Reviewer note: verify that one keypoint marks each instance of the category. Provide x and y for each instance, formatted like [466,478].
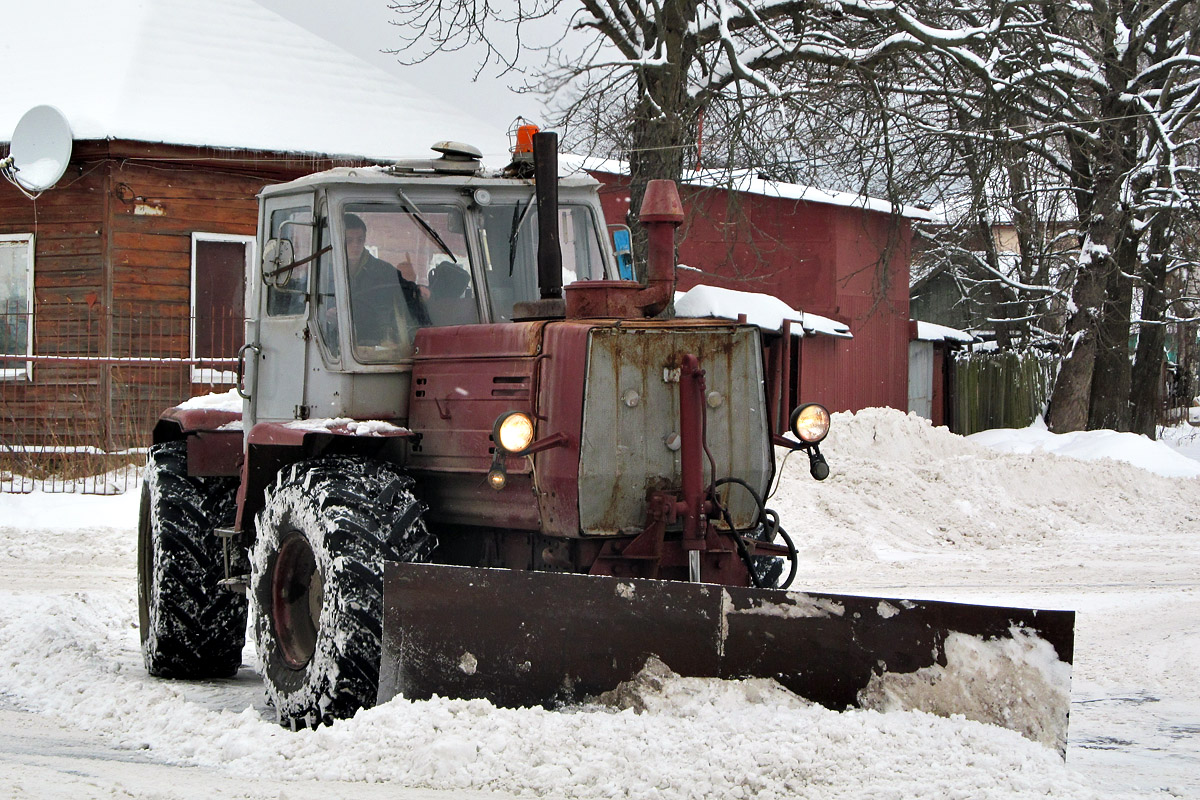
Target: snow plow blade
[524,638]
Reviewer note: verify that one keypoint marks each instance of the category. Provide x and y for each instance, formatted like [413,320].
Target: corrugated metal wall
[845,263]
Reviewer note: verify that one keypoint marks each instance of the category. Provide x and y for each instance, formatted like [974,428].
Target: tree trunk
[665,115]
[1098,168]
[1070,401]
[1145,395]
[1111,376]
[1071,397]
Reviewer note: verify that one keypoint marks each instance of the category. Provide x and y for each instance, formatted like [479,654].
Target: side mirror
[278,262]
[622,240]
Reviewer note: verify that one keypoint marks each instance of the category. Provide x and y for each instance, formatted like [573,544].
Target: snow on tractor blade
[535,638]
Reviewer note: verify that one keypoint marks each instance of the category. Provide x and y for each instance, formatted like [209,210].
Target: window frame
[26,372]
[208,375]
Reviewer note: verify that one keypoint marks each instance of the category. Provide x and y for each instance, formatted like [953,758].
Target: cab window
[510,245]
[405,271]
[287,286]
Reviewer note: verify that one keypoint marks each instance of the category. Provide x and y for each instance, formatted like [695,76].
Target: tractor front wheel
[326,528]
[190,626]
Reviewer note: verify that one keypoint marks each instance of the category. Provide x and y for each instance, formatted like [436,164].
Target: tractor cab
[356,261]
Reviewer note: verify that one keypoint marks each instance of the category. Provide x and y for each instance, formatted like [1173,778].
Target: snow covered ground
[908,511]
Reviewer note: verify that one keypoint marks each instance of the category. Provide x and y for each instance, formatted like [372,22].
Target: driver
[369,278]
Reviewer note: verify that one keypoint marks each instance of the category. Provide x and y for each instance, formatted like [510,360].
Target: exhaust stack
[661,214]
[545,176]
[549,253]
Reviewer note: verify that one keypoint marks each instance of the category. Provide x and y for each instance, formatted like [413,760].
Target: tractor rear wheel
[326,528]
[190,626]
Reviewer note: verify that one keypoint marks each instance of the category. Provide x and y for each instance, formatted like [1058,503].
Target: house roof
[749,183]
[219,73]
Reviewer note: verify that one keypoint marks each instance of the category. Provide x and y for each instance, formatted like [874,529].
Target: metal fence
[76,413]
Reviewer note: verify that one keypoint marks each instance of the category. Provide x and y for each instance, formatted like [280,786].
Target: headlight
[513,432]
[810,423]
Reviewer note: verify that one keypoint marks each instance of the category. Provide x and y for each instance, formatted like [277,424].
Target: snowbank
[909,510]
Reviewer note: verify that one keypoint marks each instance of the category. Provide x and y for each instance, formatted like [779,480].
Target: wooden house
[122,288]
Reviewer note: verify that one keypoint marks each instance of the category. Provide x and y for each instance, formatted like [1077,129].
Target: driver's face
[356,242]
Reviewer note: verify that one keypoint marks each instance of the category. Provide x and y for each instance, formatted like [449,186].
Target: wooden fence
[999,389]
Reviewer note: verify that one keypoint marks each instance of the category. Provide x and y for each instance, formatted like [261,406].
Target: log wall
[112,278]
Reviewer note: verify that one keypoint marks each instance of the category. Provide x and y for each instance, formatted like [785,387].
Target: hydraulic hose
[769,520]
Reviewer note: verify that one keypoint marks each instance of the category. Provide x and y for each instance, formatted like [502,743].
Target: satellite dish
[41,148]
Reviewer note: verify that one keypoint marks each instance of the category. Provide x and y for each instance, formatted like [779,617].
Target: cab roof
[413,173]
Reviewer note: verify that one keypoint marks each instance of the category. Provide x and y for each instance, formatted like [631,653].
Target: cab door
[278,336]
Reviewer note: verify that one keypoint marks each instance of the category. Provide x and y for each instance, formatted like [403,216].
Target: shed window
[221,264]
[16,304]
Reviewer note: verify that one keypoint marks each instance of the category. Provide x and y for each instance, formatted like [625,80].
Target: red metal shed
[839,256]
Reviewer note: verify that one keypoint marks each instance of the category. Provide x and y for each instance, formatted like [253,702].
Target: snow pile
[903,492]
[215,401]
[1131,448]
[1183,439]
[1022,679]
[766,311]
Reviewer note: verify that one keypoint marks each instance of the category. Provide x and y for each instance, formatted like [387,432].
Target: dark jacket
[373,289]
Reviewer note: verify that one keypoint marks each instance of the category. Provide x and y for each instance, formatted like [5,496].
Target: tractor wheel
[190,626]
[326,528]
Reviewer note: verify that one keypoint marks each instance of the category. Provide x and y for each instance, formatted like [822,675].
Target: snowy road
[909,511]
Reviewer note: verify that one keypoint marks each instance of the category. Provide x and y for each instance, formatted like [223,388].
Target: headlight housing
[513,432]
[810,423]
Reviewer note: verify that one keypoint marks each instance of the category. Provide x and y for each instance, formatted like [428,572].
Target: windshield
[510,248]
[405,271]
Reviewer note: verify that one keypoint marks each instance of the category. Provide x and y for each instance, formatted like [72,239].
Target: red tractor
[447,379]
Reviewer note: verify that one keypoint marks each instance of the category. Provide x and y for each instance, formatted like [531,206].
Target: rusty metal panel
[461,382]
[631,419]
[560,409]
[512,339]
[527,638]
[212,453]
[455,402]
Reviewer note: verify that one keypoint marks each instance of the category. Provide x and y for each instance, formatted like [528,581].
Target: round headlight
[513,432]
[810,423]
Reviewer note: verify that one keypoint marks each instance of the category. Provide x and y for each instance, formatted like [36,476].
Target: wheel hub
[297,594]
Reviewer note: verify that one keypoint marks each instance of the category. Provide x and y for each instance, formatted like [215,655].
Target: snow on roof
[222,73]
[932,332]
[763,310]
[748,182]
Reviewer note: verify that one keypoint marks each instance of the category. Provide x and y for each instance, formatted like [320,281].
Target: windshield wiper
[424,223]
[518,221]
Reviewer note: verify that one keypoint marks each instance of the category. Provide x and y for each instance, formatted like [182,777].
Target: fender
[272,446]
[214,438]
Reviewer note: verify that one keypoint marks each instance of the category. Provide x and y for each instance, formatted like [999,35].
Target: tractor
[476,455]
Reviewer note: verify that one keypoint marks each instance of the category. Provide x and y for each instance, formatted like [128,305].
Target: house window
[221,264]
[16,304]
